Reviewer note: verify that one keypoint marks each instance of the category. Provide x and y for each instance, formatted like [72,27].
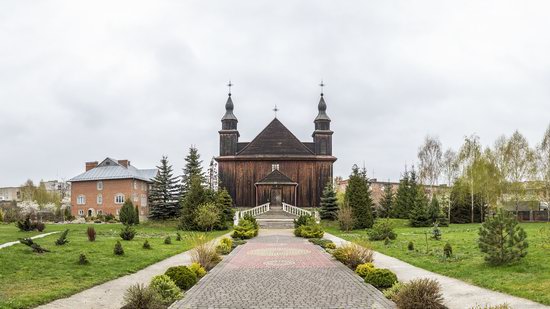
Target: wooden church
[275,166]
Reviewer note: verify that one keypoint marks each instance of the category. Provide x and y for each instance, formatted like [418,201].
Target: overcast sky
[83,80]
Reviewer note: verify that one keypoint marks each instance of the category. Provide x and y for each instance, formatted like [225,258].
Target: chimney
[124,163]
[90,165]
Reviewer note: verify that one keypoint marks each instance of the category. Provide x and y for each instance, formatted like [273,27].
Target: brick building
[103,188]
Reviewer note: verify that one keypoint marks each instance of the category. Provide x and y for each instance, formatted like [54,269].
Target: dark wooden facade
[275,167]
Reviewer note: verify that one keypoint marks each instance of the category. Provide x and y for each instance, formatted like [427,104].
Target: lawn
[529,278]
[28,279]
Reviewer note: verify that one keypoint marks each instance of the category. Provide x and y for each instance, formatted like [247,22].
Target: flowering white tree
[28,207]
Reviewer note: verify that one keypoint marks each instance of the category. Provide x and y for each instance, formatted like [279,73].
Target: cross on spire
[322,86]
[229,86]
[275,109]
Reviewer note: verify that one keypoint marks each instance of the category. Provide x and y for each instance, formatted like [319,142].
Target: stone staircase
[276,218]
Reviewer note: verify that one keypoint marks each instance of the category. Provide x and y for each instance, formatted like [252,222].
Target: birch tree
[449,168]
[430,157]
[543,166]
[519,161]
[468,155]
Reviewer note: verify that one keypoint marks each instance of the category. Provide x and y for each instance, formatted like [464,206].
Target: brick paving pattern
[281,271]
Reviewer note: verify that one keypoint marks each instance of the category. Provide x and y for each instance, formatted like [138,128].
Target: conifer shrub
[225,246]
[309,230]
[139,296]
[381,278]
[303,220]
[237,242]
[387,241]
[420,293]
[324,243]
[167,240]
[146,245]
[436,231]
[127,213]
[39,226]
[166,289]
[252,220]
[27,225]
[90,232]
[34,246]
[448,250]
[329,203]
[381,230]
[246,229]
[83,260]
[410,246]
[127,232]
[62,238]
[363,269]
[178,236]
[118,250]
[182,276]
[353,255]
[502,239]
[197,269]
[391,292]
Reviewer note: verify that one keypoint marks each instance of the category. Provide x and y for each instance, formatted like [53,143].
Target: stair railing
[297,211]
[256,211]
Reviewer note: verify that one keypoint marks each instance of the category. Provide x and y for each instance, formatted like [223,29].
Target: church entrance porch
[276,197]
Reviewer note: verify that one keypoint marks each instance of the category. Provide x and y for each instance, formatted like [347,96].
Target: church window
[274,166]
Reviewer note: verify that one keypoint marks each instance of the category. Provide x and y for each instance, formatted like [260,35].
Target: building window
[81,200]
[274,166]
[119,198]
[143,200]
[100,185]
[135,197]
[81,212]
[99,199]
[135,184]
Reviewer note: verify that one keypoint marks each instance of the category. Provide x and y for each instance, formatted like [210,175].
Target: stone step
[276,223]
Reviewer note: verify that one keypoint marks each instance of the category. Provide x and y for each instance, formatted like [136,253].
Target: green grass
[28,279]
[529,278]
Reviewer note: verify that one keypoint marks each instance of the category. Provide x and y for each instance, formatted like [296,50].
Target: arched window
[100,185]
[99,199]
[119,198]
[81,212]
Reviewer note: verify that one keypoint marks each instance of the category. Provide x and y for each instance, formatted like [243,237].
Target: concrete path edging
[458,294]
[11,243]
[109,295]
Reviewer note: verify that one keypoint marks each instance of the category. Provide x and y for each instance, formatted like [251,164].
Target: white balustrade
[256,211]
[297,211]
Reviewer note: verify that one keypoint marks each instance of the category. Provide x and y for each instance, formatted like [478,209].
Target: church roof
[276,139]
[276,177]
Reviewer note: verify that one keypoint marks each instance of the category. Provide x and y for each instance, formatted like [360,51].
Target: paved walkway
[278,270]
[9,244]
[109,295]
[458,294]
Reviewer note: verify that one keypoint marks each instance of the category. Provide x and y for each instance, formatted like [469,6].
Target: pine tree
[329,204]
[225,203]
[402,199]
[127,215]
[386,203]
[193,168]
[164,194]
[195,196]
[359,200]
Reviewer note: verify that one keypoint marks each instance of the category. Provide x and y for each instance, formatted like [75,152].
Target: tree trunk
[472,198]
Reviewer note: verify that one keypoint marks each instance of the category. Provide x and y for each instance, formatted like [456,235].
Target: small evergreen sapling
[62,238]
[118,250]
[329,204]
[35,247]
[448,250]
[83,260]
[127,213]
[436,232]
[410,246]
[178,236]
[146,245]
[127,232]
[167,240]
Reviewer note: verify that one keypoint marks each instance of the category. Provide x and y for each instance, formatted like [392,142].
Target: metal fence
[534,216]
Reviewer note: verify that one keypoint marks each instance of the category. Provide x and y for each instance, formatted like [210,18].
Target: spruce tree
[418,215]
[136,215]
[192,168]
[329,204]
[225,203]
[164,194]
[386,203]
[359,200]
[402,199]
[435,213]
[195,196]
[126,214]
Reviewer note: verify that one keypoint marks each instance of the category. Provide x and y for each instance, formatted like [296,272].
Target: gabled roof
[111,169]
[276,177]
[275,139]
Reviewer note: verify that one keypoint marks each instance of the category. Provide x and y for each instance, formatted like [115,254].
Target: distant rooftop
[113,169]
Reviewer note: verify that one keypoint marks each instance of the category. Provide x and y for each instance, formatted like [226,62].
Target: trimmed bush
[324,243]
[197,269]
[62,238]
[127,232]
[139,296]
[381,230]
[304,220]
[26,225]
[83,260]
[448,250]
[352,255]
[310,230]
[182,276]
[381,278]
[419,293]
[252,220]
[410,246]
[166,289]
[391,292]
[118,250]
[246,229]
[146,244]
[363,269]
[225,246]
[167,240]
[90,232]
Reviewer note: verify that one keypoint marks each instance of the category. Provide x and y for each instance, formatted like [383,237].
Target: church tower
[322,136]
[229,136]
